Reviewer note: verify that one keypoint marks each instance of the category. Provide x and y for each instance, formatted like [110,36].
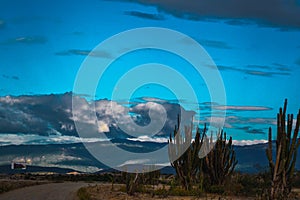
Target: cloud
[281,67]
[251,130]
[215,44]
[277,69]
[102,54]
[152,99]
[48,115]
[146,138]
[242,108]
[238,22]
[209,43]
[216,106]
[10,77]
[135,162]
[36,114]
[25,40]
[248,142]
[258,70]
[233,121]
[267,12]
[145,15]
[32,139]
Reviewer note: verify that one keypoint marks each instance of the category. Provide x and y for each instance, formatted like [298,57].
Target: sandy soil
[51,191]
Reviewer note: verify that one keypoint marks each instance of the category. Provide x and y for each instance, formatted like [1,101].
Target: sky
[254,44]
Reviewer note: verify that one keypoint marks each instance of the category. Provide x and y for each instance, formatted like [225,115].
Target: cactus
[183,154]
[282,168]
[220,162]
[131,182]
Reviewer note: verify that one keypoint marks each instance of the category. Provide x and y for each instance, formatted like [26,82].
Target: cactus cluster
[283,164]
[183,154]
[220,162]
[190,168]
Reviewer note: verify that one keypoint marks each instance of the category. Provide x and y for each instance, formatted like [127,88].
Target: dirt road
[51,191]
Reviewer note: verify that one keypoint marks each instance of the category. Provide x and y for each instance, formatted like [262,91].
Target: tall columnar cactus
[220,162]
[183,154]
[131,181]
[282,168]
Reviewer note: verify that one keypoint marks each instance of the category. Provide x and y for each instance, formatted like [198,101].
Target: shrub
[83,194]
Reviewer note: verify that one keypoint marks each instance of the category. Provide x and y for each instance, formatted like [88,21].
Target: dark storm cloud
[35,114]
[11,77]
[25,40]
[269,12]
[145,15]
[52,114]
[81,52]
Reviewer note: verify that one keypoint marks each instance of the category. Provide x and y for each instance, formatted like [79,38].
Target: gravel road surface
[51,191]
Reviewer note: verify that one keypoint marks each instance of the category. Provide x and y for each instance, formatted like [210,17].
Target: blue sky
[43,44]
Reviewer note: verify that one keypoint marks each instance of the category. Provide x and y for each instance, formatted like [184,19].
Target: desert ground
[30,190]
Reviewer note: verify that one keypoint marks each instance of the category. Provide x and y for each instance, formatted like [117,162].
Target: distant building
[18,165]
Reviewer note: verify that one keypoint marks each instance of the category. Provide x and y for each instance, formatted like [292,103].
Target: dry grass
[104,191]
[8,185]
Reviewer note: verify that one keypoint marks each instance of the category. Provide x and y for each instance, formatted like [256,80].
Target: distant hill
[63,158]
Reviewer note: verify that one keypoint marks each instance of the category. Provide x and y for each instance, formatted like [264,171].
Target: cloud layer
[35,39]
[268,12]
[145,15]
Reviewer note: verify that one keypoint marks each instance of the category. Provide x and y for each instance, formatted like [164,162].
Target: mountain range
[64,158]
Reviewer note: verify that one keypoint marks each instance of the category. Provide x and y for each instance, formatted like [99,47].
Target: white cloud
[248,142]
[146,138]
[135,162]
[102,127]
[154,99]
[9,100]
[31,139]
